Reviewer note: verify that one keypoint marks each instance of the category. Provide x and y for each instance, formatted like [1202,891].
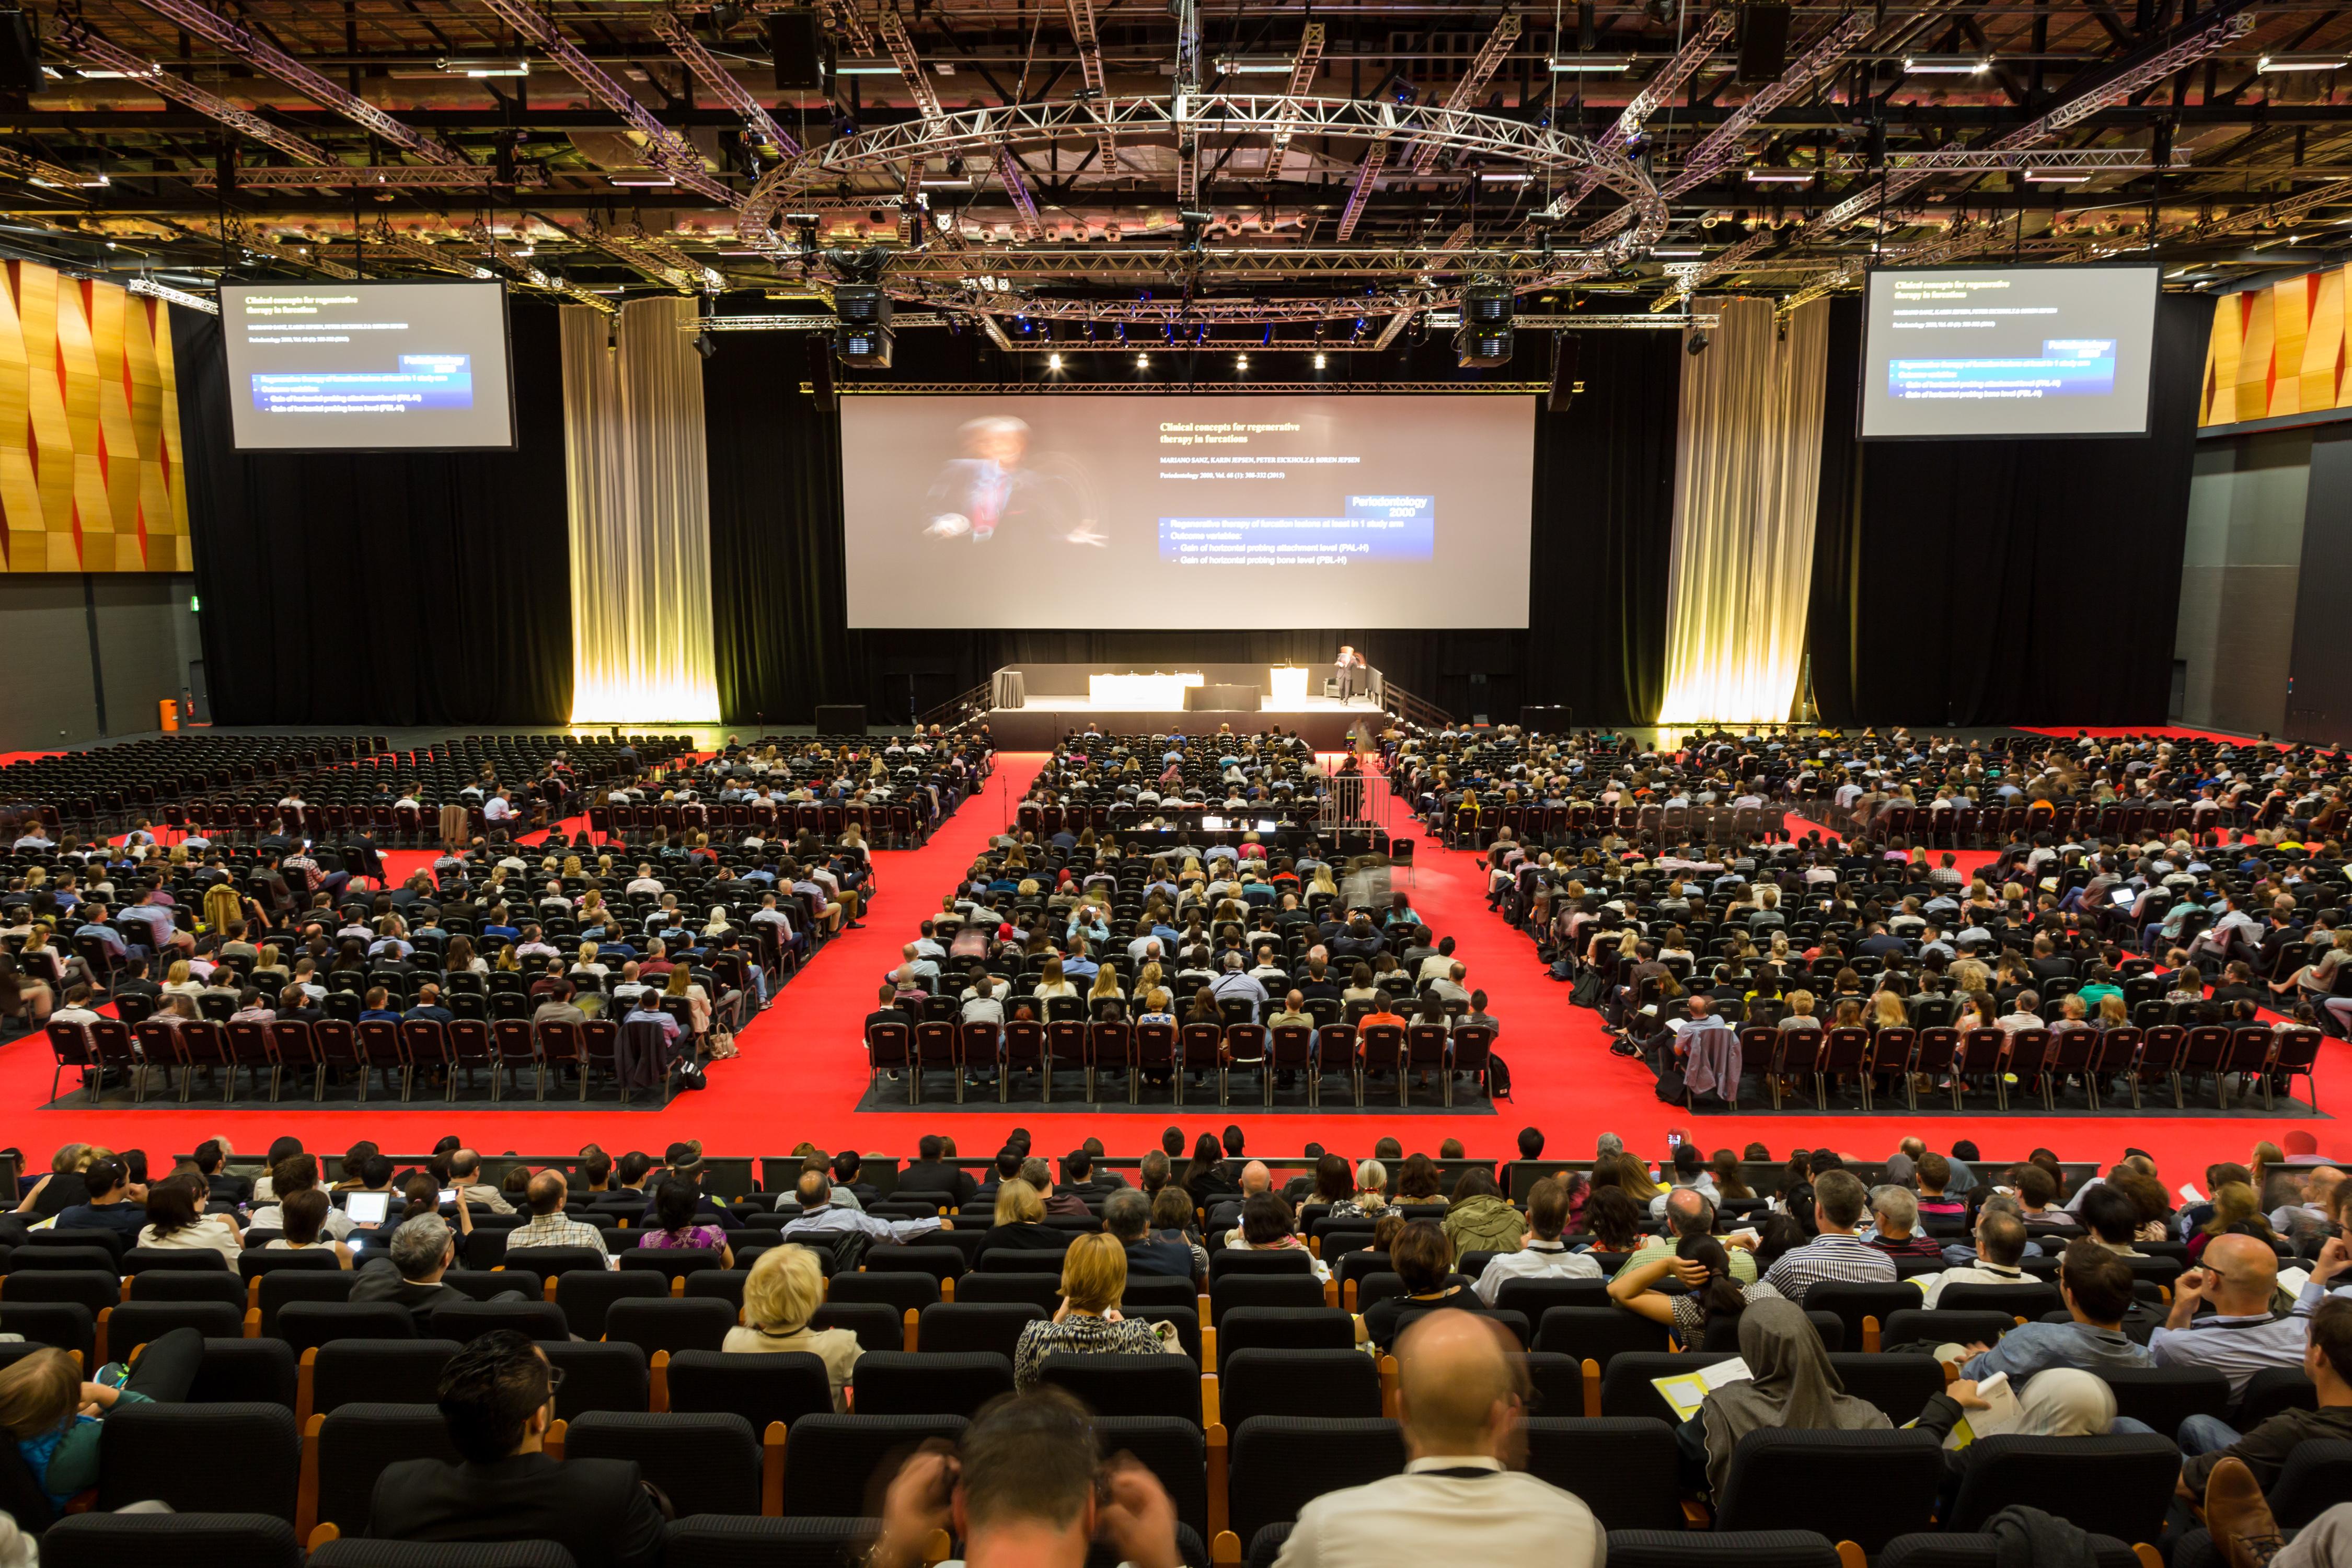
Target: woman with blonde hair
[56,1417]
[1088,1323]
[1051,983]
[2236,1212]
[181,981]
[784,1291]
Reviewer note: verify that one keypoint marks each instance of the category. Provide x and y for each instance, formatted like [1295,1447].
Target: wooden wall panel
[2280,350]
[90,459]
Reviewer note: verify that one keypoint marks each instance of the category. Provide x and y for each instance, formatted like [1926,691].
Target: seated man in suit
[497,1400]
[409,1268]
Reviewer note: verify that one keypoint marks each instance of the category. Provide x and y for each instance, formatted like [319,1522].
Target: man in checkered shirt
[548,1226]
[1837,1254]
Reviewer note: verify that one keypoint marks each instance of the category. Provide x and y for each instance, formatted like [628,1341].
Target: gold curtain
[1746,471]
[640,513]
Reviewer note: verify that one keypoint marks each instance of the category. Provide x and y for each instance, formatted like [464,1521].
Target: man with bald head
[1461,1397]
[548,1225]
[2237,1275]
[1254,1178]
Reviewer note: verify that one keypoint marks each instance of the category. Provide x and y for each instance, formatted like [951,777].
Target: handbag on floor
[722,1045]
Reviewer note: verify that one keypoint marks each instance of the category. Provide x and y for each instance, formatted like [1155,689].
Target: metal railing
[1414,710]
[961,708]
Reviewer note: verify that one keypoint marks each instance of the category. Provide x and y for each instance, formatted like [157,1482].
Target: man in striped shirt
[1837,1254]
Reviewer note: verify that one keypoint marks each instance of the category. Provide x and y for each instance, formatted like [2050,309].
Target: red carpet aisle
[802,1068]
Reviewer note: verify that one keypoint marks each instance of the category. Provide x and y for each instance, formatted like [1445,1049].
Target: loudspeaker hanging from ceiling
[1763,40]
[803,55]
[20,53]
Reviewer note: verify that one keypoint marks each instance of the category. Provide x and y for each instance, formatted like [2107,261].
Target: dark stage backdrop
[1967,583]
[383,588]
[1603,501]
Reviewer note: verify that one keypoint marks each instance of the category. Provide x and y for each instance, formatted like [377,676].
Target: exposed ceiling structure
[1193,170]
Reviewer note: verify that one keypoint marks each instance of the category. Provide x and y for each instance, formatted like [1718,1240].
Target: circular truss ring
[1553,158]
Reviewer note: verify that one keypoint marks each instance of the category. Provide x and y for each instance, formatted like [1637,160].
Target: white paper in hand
[1686,1391]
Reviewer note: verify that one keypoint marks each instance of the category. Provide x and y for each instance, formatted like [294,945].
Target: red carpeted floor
[803,1069]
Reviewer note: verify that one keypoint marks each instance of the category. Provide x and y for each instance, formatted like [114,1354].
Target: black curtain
[1603,497]
[381,588]
[2005,582]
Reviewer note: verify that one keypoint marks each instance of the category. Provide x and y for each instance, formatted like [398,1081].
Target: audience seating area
[1264,1401]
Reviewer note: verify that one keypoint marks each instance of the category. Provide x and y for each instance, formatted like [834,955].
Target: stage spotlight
[1318,361]
[1240,361]
[1052,362]
[1695,346]
[1143,362]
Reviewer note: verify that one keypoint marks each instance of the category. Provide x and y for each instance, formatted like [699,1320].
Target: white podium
[1287,685]
[1142,693]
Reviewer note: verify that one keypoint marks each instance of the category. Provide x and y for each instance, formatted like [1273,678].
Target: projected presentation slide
[367,366]
[1131,511]
[2007,351]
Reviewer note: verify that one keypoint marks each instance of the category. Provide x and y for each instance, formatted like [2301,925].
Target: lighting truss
[910,65]
[76,38]
[1994,160]
[229,34]
[1625,130]
[312,258]
[655,260]
[683,271]
[1725,144]
[672,30]
[664,148]
[39,172]
[1090,66]
[1367,175]
[521,268]
[841,18]
[2146,73]
[1390,328]
[1123,265]
[417,250]
[1474,76]
[147,286]
[2283,213]
[881,153]
[1025,201]
[386,176]
[1252,339]
[1302,76]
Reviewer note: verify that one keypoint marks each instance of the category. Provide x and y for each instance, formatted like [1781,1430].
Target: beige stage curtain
[641,641]
[1747,468]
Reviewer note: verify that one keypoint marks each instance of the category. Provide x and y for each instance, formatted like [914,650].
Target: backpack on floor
[1499,1077]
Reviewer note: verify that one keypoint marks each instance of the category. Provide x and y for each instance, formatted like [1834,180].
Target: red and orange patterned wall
[2277,351]
[90,461]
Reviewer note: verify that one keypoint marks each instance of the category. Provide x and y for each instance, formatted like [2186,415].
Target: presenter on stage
[994,493]
[1349,669]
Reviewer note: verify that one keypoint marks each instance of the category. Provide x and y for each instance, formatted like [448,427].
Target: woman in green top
[55,1416]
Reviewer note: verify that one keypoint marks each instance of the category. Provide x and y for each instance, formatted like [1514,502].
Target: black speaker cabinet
[802,54]
[840,719]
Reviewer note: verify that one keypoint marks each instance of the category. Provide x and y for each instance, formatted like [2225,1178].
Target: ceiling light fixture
[2272,64]
[1675,252]
[642,178]
[866,68]
[2055,177]
[1591,64]
[1254,65]
[1780,176]
[1945,65]
[1505,176]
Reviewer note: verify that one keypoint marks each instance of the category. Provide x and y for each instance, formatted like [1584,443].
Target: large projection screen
[1125,512]
[356,367]
[2007,351]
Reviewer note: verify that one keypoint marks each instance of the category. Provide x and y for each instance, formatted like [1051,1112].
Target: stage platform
[1040,725]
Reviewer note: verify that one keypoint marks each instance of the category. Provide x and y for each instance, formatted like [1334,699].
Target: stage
[1034,705]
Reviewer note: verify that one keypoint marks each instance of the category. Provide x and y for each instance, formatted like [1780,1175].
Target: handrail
[1414,710]
[956,710]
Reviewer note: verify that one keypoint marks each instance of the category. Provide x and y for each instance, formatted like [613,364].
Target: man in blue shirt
[2096,1286]
[377,1011]
[428,1008]
[105,935]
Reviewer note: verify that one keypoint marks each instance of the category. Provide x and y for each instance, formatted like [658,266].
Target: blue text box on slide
[423,381]
[1377,528]
[2069,367]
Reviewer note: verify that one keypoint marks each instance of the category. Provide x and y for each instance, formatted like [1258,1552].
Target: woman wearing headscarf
[2056,1402]
[1793,1387]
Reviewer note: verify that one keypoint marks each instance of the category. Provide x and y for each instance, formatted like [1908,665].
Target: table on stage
[1288,685]
[1148,693]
